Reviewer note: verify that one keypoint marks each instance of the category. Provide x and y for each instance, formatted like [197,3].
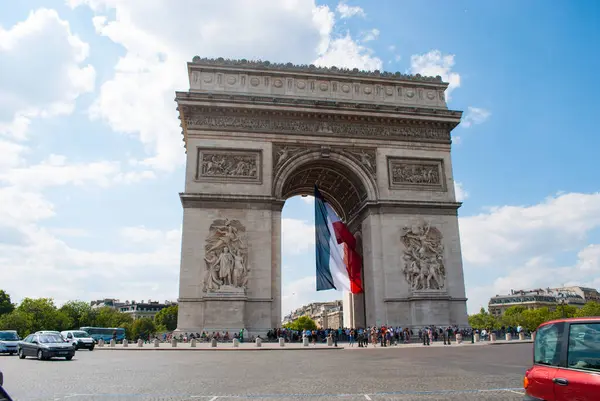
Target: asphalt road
[452,373]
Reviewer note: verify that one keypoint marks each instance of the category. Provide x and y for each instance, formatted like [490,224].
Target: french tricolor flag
[338,263]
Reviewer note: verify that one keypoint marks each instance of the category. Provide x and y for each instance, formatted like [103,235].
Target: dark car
[45,346]
[566,361]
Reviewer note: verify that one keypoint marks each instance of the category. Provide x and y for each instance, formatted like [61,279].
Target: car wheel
[76,347]
[92,348]
[11,353]
[68,358]
[21,354]
[40,355]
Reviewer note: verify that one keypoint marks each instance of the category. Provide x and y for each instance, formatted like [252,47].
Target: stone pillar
[281,342]
[476,337]
[305,341]
[508,336]
[193,343]
[493,337]
[173,342]
[459,338]
[521,336]
[112,343]
[259,342]
[213,343]
[100,343]
[156,343]
[329,341]
[140,343]
[125,344]
[236,343]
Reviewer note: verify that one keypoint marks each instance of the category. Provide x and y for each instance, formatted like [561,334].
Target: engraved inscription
[228,165]
[416,173]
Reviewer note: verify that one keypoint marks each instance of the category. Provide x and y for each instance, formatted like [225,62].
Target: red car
[566,361]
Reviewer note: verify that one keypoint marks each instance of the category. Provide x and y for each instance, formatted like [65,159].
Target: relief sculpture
[229,164]
[423,258]
[226,257]
[416,173]
[366,157]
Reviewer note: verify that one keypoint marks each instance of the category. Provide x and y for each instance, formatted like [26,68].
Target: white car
[79,338]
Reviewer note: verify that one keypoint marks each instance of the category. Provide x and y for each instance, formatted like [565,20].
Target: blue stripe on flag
[322,251]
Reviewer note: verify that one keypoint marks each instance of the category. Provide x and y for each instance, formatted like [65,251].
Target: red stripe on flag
[343,235]
[353,266]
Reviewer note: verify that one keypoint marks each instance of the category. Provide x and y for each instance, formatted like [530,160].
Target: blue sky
[93,161]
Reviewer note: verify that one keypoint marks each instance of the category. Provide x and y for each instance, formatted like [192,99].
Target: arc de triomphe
[378,147]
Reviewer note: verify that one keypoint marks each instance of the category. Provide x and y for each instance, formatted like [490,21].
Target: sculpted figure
[226,256]
[423,258]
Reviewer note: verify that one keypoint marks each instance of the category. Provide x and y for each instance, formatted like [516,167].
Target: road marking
[367,397]
[516,392]
[214,398]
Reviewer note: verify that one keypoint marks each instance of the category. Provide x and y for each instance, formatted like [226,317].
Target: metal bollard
[173,343]
[305,341]
[112,343]
[125,343]
[156,343]
[236,343]
[213,343]
[193,343]
[140,343]
[329,341]
[281,342]
[258,342]
[100,343]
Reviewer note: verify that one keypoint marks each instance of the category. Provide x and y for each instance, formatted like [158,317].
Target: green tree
[44,315]
[589,309]
[5,305]
[109,317]
[143,328]
[16,320]
[167,318]
[80,313]
[302,323]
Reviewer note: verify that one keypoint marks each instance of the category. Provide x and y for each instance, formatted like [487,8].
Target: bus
[105,333]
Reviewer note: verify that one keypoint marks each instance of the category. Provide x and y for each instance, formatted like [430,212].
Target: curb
[218,349]
[512,342]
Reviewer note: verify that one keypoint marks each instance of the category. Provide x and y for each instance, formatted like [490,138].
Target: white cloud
[298,236]
[46,72]
[516,233]
[515,247]
[370,35]
[304,291]
[159,39]
[475,115]
[435,63]
[347,11]
[347,53]
[460,192]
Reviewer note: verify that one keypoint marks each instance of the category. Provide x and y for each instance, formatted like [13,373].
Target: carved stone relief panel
[423,257]
[365,157]
[226,257]
[418,174]
[229,165]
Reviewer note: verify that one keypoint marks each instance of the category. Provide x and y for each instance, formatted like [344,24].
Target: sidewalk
[273,346]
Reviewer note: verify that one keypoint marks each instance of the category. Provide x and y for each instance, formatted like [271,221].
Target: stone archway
[378,146]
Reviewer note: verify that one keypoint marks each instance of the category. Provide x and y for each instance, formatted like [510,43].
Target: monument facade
[378,147]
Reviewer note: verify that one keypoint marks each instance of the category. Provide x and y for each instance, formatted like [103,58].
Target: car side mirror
[34,342]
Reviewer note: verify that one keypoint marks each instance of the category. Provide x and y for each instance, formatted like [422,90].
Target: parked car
[8,342]
[45,346]
[79,338]
[48,332]
[566,361]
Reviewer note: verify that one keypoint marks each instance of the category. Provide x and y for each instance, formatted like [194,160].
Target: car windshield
[7,335]
[50,338]
[80,334]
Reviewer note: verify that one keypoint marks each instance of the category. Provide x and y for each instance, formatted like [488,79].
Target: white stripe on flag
[337,267]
